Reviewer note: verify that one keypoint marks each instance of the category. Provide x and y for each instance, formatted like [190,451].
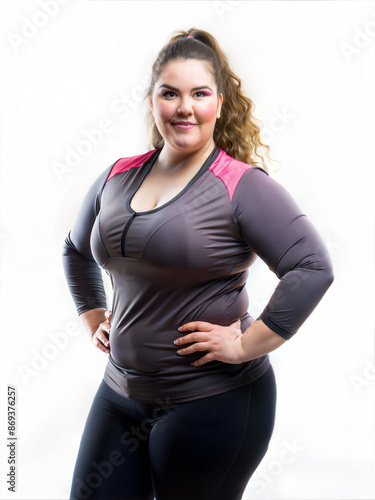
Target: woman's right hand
[100,338]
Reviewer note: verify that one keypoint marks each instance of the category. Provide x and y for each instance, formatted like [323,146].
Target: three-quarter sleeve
[271,223]
[82,273]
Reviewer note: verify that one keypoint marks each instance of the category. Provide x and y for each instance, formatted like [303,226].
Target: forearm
[259,340]
[277,230]
[84,279]
[92,319]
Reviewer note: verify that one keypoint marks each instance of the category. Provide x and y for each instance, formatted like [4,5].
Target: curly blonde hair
[236,131]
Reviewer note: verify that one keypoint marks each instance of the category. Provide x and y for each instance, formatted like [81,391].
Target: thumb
[236,324]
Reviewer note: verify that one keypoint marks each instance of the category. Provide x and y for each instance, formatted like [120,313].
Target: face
[185,104]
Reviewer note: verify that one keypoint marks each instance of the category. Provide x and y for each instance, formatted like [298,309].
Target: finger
[191,337]
[202,326]
[103,332]
[106,327]
[102,338]
[199,346]
[97,343]
[204,359]
[108,315]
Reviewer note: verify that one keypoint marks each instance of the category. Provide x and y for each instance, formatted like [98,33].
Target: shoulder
[231,171]
[126,163]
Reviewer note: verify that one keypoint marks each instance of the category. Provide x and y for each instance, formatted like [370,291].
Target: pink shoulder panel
[125,164]
[229,170]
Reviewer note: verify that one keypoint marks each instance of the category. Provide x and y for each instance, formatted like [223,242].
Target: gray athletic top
[188,260]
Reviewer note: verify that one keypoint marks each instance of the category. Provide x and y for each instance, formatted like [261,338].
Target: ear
[150,103]
[220,104]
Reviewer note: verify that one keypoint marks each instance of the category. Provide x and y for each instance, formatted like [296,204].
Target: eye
[168,93]
[202,93]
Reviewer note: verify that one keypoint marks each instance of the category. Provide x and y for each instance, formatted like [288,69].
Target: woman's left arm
[272,224]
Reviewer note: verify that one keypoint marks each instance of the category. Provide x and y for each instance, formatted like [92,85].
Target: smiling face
[185,104]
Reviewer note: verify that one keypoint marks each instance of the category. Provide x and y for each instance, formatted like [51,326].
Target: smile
[184,125]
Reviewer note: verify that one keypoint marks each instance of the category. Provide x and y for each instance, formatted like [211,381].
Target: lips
[184,125]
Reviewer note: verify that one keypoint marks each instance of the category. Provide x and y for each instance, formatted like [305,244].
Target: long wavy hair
[236,132]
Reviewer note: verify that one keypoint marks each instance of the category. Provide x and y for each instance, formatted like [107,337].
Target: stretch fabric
[206,449]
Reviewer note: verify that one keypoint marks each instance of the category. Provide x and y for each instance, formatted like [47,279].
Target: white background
[309,68]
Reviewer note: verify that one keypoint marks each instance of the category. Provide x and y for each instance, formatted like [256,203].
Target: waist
[182,383]
[147,347]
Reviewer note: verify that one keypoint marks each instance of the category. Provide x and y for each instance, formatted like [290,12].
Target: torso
[174,255]
[162,184]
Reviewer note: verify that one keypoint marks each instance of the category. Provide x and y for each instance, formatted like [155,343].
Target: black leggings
[205,449]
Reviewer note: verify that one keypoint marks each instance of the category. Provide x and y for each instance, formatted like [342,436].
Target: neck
[171,158]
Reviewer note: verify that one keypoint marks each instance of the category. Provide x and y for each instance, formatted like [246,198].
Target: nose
[185,106]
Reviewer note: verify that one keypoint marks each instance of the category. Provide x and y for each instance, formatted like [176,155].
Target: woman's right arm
[83,275]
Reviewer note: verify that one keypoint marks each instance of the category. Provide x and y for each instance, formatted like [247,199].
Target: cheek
[207,112]
[165,109]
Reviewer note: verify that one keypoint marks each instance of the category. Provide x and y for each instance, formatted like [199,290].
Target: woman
[186,407]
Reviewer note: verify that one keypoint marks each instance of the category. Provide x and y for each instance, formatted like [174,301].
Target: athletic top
[188,260]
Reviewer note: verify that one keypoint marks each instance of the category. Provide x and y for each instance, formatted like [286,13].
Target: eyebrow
[195,88]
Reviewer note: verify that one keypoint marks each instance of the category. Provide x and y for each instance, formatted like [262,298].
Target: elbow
[321,270]
[65,250]
[329,278]
[329,275]
[324,276]
[68,246]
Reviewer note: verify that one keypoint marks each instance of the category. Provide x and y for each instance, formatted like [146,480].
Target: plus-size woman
[186,407]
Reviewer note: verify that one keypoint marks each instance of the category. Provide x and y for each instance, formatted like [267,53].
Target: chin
[184,144]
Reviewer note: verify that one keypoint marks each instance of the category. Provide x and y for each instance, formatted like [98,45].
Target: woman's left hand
[223,343]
